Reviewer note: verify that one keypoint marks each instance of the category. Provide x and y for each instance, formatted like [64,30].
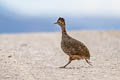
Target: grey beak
[55,23]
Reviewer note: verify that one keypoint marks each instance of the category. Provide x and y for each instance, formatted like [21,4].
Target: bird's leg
[70,59]
[88,62]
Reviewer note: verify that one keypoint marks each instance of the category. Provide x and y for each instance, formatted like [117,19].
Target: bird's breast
[67,47]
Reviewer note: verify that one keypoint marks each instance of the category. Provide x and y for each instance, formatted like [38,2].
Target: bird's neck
[64,33]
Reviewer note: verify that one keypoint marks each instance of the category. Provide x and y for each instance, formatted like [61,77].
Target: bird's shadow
[80,67]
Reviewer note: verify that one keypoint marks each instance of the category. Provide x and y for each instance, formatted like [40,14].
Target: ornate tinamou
[75,49]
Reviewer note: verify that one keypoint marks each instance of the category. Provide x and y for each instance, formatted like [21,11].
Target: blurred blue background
[39,15]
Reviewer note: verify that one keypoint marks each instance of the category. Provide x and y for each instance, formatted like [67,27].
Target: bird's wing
[77,47]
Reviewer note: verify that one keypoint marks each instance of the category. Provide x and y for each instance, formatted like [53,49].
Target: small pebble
[9,56]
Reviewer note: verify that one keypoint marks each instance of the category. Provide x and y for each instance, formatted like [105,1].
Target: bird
[75,49]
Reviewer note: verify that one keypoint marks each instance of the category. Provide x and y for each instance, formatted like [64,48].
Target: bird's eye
[60,22]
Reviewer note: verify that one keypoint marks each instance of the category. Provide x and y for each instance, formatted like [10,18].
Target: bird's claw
[62,67]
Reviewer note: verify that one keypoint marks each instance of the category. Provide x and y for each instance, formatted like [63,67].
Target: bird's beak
[55,23]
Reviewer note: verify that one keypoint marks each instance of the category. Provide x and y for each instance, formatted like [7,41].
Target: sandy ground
[37,56]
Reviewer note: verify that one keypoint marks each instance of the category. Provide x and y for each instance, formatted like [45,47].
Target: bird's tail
[88,62]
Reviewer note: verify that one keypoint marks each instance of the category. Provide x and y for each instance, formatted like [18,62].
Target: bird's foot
[62,67]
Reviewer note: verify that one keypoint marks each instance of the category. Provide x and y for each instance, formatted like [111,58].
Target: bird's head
[60,22]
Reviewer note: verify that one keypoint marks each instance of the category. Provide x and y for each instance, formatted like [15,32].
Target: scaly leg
[88,62]
[70,59]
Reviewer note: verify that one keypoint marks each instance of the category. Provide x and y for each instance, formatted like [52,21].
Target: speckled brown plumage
[75,49]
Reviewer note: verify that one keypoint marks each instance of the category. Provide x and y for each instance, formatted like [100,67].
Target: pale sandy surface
[37,56]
